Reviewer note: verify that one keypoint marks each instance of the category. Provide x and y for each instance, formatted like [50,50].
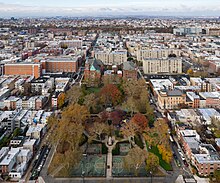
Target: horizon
[96,8]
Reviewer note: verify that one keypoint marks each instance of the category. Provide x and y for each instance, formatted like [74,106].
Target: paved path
[109,157]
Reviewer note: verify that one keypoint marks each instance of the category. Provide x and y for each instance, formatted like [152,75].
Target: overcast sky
[109,7]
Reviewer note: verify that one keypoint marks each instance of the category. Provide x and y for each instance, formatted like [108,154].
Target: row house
[203,157]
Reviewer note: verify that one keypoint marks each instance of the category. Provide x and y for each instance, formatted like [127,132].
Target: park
[109,131]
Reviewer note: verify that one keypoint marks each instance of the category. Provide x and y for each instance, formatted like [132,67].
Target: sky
[109,7]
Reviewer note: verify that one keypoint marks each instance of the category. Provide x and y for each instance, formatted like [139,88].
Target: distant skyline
[30,8]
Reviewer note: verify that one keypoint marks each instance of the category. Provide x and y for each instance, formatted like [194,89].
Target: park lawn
[104,149]
[166,166]
[116,150]
[93,90]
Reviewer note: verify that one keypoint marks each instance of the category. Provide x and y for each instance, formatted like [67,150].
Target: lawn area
[104,149]
[116,150]
[93,90]
[166,166]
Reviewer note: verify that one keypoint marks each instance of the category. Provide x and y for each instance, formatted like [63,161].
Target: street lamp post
[83,170]
[83,173]
[151,176]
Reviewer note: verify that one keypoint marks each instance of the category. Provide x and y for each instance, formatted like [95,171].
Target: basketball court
[91,166]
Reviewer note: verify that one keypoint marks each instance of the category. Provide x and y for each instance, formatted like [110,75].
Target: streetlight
[83,171]
[151,176]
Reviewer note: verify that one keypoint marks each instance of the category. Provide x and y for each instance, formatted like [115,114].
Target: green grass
[166,166]
[116,150]
[104,149]
[93,90]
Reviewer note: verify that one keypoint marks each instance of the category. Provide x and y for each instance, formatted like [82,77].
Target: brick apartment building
[171,99]
[60,64]
[203,156]
[23,69]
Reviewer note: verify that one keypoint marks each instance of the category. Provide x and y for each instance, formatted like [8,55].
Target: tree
[129,130]
[141,121]
[152,162]
[75,113]
[137,97]
[68,135]
[165,152]
[133,88]
[111,94]
[61,100]
[161,128]
[90,102]
[51,121]
[190,72]
[130,105]
[216,176]
[98,129]
[113,79]
[74,94]
[134,159]
[17,132]
[157,134]
[70,128]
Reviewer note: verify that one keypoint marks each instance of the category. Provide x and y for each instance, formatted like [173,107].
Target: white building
[155,66]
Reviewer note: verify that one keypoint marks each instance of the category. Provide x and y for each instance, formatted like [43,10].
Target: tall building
[71,43]
[157,53]
[116,57]
[180,31]
[60,64]
[23,69]
[169,65]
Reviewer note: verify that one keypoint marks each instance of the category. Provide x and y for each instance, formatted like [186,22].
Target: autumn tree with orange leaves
[141,121]
[111,94]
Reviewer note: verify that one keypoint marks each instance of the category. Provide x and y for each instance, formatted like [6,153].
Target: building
[160,84]
[171,99]
[188,116]
[60,64]
[30,144]
[192,100]
[116,57]
[129,71]
[209,114]
[212,99]
[93,69]
[61,84]
[54,100]
[36,131]
[23,69]
[180,31]
[17,141]
[71,43]
[157,53]
[156,66]
[203,157]
[9,160]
